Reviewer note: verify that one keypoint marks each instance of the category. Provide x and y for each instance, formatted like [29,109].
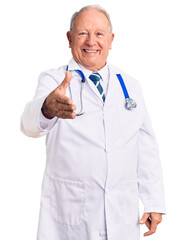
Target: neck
[91,68]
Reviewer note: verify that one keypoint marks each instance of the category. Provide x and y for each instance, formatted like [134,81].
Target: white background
[149,44]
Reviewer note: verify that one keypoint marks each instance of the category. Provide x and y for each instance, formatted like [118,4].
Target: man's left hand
[151,220]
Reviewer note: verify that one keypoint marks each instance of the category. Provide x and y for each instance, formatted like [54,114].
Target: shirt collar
[104,72]
[73,65]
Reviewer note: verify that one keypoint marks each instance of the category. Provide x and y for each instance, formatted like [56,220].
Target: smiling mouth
[90,51]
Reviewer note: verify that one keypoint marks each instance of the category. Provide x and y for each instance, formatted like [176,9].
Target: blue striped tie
[95,77]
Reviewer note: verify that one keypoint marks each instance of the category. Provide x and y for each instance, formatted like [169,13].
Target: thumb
[144,218]
[68,76]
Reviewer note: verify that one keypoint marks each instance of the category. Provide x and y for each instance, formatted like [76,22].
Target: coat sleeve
[150,178]
[33,123]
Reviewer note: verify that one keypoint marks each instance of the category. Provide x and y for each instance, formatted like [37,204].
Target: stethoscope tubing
[129,102]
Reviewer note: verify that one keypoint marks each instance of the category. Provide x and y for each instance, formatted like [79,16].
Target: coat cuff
[46,124]
[155,209]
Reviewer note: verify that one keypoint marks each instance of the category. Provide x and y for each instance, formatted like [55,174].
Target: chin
[89,63]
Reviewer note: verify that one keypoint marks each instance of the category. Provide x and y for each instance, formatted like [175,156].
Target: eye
[99,34]
[83,34]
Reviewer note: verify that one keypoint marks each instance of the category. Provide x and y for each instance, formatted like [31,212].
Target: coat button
[102,234]
[107,150]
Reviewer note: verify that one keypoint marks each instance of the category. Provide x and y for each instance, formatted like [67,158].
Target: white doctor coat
[98,164]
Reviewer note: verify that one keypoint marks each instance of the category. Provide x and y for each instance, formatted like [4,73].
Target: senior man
[101,150]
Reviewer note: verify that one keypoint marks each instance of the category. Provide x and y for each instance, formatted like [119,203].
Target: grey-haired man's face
[91,39]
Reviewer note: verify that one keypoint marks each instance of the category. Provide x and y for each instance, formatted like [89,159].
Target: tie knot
[95,77]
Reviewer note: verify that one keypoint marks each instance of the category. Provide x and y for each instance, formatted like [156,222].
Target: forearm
[32,123]
[151,190]
[30,119]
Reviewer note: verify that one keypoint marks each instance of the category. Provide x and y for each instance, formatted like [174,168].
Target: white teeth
[90,51]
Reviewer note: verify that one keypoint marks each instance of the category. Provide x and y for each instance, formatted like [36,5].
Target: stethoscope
[129,102]
[81,90]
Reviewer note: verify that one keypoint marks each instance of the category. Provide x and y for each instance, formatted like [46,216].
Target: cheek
[105,45]
[76,43]
[109,44]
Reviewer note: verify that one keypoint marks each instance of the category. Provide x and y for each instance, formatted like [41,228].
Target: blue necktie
[95,77]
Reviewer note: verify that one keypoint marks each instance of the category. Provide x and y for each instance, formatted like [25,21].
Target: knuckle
[157,220]
[63,115]
[63,107]
[67,115]
[67,108]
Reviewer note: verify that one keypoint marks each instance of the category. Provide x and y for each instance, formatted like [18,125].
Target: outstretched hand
[57,104]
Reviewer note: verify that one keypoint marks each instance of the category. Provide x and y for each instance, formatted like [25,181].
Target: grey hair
[97,7]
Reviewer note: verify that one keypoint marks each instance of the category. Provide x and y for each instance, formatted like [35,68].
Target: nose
[90,40]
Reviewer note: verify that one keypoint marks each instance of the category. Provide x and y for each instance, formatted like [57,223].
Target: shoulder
[129,80]
[56,74]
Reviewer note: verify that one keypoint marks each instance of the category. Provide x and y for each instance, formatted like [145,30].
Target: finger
[68,76]
[148,233]
[152,230]
[144,218]
[157,217]
[66,107]
[148,223]
[153,226]
[63,99]
[66,114]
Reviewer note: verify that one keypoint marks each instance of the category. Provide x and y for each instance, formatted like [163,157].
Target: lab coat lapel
[113,87]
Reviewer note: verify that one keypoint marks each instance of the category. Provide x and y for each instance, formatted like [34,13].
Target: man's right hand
[57,104]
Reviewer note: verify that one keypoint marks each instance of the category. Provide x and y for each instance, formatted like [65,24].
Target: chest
[102,121]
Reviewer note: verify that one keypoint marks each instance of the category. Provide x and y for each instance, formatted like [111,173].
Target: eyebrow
[97,30]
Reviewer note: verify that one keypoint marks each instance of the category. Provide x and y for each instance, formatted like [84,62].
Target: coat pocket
[67,201]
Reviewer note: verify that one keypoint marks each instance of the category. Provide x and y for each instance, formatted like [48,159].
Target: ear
[111,40]
[69,37]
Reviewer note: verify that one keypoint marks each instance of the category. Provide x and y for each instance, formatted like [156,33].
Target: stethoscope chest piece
[130,104]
